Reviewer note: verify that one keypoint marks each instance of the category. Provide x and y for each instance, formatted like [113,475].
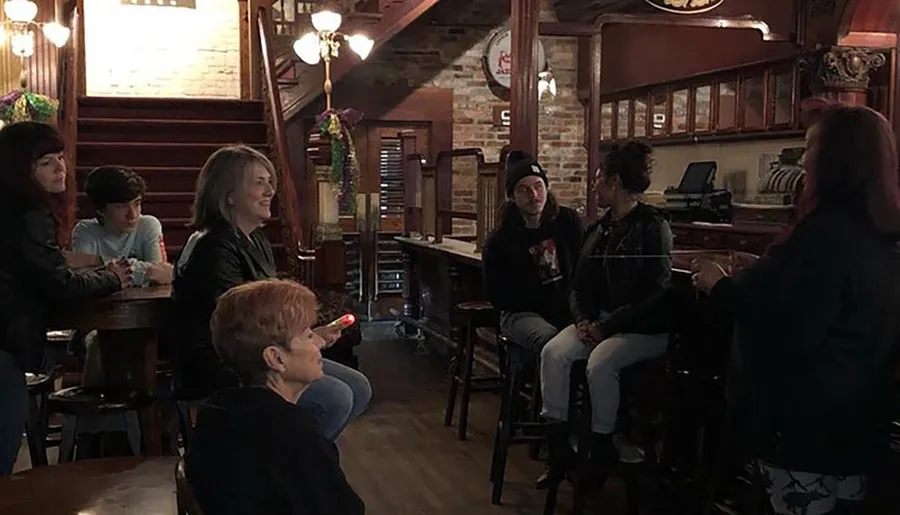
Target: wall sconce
[325,42]
[546,83]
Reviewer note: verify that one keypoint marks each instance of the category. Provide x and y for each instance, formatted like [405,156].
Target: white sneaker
[628,453]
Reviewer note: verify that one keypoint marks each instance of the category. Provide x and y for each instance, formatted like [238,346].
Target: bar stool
[39,387]
[93,410]
[473,314]
[637,412]
[515,425]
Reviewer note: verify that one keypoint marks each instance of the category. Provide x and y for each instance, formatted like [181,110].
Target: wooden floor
[402,460]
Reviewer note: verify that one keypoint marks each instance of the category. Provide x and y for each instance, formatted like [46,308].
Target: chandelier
[19,26]
[323,44]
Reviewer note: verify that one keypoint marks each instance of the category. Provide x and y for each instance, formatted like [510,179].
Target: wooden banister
[69,86]
[287,192]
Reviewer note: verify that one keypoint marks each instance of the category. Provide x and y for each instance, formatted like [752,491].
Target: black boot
[561,456]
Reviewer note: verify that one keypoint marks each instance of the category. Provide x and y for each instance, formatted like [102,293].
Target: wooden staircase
[167,141]
[381,20]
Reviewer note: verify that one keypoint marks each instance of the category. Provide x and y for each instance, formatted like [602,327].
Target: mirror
[727,105]
[754,102]
[623,120]
[606,118]
[784,108]
[640,117]
[659,113]
[702,107]
[680,111]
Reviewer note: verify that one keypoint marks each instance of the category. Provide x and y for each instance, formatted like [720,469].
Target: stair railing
[287,192]
[70,85]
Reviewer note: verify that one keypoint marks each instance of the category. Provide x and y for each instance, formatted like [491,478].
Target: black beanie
[518,170]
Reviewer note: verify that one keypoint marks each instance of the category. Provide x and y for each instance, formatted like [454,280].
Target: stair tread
[167,100]
[167,121]
[151,144]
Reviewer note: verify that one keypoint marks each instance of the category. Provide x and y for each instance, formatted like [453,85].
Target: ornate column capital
[842,69]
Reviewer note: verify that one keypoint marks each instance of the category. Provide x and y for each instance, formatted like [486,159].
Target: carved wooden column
[842,74]
[523,87]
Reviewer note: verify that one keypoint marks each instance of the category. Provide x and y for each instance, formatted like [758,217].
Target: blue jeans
[336,399]
[13,411]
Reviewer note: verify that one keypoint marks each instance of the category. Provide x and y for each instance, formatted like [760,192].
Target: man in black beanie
[530,258]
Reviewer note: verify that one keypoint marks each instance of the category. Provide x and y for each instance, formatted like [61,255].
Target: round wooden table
[119,486]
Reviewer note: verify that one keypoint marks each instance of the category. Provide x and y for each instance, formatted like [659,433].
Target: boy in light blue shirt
[120,231]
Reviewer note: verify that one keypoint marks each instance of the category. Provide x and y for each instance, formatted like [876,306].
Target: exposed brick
[444,49]
[152,51]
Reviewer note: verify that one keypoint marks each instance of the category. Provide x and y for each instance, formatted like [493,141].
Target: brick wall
[155,51]
[444,49]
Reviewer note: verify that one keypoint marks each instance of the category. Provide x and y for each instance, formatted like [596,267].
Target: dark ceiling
[588,10]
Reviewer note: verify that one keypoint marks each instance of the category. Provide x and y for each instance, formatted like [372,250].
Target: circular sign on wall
[686,6]
[498,58]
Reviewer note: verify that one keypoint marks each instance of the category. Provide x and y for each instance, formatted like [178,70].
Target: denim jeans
[529,330]
[13,411]
[605,361]
[336,399]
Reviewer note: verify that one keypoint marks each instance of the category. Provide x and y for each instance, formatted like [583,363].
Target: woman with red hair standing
[817,319]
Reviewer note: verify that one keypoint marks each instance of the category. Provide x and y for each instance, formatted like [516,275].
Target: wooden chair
[97,410]
[184,494]
[473,314]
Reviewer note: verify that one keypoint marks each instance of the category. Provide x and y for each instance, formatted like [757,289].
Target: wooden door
[374,266]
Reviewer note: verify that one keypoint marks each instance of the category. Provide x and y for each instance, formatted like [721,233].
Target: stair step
[183,130]
[158,204]
[138,108]
[278,251]
[158,178]
[176,231]
[147,154]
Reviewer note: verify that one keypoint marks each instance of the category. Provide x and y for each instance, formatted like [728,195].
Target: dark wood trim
[725,137]
[523,133]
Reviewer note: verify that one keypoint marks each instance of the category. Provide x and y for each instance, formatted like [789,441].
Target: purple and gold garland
[22,106]
[335,125]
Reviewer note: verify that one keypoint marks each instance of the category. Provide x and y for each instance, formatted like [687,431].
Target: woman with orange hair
[817,322]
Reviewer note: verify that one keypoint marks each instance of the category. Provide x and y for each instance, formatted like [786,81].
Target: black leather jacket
[212,262]
[626,294]
[35,278]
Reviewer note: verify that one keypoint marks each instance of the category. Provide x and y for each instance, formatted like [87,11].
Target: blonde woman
[233,200]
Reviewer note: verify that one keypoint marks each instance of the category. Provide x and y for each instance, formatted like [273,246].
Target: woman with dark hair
[34,275]
[618,304]
[817,325]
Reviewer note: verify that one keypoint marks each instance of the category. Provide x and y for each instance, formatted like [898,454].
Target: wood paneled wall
[41,67]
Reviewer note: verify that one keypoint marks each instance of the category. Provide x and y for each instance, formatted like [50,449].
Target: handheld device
[342,322]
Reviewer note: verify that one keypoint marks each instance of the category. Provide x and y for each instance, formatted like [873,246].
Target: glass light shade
[546,83]
[56,33]
[20,10]
[326,21]
[360,44]
[22,44]
[308,47]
